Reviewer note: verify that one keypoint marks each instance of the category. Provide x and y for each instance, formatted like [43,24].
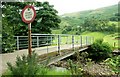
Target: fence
[39,40]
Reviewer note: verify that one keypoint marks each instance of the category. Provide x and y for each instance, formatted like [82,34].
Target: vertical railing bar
[17,42]
[80,41]
[47,44]
[73,42]
[37,41]
[51,40]
[59,44]
[86,40]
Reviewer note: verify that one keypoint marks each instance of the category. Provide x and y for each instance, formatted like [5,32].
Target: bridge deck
[11,57]
[54,58]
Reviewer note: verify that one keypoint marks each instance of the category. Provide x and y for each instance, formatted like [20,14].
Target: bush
[114,63]
[75,69]
[8,42]
[27,65]
[99,50]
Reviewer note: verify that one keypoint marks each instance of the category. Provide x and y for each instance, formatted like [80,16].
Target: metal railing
[39,40]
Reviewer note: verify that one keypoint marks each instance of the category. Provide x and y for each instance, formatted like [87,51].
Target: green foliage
[111,39]
[27,65]
[99,50]
[74,68]
[13,25]
[115,17]
[46,18]
[114,63]
[90,20]
[8,42]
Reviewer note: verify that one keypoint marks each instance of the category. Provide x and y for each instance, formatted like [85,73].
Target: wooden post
[114,44]
[29,39]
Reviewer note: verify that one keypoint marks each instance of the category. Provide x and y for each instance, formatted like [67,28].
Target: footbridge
[54,47]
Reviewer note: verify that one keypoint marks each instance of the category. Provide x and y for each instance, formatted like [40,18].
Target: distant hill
[76,18]
[110,10]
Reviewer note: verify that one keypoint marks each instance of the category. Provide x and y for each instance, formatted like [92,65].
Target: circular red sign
[28,14]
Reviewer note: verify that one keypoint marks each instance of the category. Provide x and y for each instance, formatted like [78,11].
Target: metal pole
[37,41]
[17,42]
[29,39]
[67,40]
[73,42]
[59,44]
[81,41]
[51,40]
[47,44]
[86,40]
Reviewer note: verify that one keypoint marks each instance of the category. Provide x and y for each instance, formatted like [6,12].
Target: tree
[8,42]
[95,23]
[46,19]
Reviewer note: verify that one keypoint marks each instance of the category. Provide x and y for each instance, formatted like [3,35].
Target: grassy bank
[111,38]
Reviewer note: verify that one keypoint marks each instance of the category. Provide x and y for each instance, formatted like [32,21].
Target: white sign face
[28,14]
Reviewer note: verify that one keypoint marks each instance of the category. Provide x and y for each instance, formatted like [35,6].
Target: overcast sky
[68,6]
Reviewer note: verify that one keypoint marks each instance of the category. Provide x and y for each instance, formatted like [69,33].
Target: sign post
[28,16]
[29,39]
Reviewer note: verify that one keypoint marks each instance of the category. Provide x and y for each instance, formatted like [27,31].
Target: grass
[111,39]
[56,32]
[96,35]
[113,22]
[55,72]
[48,72]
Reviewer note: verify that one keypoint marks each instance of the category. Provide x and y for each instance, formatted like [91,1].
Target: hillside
[77,18]
[110,10]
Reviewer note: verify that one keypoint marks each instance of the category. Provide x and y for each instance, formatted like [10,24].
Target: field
[110,38]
